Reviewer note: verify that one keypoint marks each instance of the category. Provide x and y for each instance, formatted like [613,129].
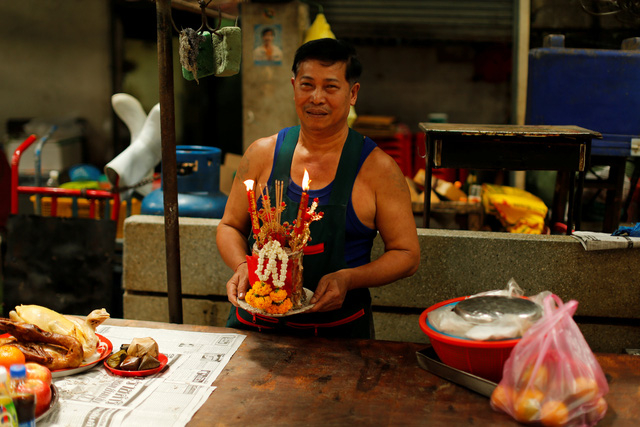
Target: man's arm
[235,225]
[388,205]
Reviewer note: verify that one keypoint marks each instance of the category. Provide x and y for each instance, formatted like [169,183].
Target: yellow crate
[65,206]
[135,210]
[65,209]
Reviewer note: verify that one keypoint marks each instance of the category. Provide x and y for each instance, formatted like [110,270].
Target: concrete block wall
[453,263]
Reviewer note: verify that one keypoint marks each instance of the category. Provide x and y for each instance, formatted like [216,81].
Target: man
[361,190]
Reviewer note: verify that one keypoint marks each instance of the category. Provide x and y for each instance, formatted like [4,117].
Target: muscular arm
[235,225]
[381,200]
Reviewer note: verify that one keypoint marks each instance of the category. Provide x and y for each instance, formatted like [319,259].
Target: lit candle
[304,202]
[255,224]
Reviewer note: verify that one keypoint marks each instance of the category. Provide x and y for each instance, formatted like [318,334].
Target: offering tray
[251,309]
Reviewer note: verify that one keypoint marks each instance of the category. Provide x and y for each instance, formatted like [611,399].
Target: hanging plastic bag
[552,377]
[518,210]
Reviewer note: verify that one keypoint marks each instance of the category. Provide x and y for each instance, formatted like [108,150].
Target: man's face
[322,95]
[268,37]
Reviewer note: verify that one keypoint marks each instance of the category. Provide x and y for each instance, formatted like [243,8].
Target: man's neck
[323,141]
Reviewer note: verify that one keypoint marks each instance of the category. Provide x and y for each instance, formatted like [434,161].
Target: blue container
[597,89]
[199,193]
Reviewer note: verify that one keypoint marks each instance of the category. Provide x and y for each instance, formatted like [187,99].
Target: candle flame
[249,184]
[305,181]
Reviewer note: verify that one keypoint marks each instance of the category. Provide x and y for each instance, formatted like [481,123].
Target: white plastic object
[137,161]
[53,180]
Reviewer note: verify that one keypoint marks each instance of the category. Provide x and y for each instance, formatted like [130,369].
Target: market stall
[275,380]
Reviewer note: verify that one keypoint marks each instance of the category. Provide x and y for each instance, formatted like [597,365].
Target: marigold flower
[278,295]
[261,288]
[280,308]
[258,301]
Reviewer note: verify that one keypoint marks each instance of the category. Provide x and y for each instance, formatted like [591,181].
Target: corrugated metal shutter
[415,20]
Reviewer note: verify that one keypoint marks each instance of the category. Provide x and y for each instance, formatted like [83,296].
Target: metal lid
[486,309]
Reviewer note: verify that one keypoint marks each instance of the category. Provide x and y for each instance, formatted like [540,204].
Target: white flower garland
[273,251]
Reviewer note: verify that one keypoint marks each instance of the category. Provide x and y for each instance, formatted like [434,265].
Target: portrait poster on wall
[267,45]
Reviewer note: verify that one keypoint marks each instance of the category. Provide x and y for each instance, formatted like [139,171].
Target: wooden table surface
[285,381]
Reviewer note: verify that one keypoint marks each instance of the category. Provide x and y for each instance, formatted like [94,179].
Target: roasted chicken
[55,351]
[52,321]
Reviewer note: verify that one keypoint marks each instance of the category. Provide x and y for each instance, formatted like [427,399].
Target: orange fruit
[554,413]
[540,377]
[502,398]
[597,412]
[10,355]
[527,405]
[584,389]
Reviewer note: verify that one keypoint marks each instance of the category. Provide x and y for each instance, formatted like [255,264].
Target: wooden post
[169,169]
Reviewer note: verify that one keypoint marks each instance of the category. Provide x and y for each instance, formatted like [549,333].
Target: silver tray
[429,361]
[486,309]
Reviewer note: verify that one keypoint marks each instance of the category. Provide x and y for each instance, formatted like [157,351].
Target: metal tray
[429,361]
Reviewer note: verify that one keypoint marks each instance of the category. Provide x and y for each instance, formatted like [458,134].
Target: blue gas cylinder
[199,195]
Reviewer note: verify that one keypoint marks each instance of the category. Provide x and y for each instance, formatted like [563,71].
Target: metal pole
[169,169]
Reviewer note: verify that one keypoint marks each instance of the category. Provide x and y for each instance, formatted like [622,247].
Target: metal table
[512,147]
[285,381]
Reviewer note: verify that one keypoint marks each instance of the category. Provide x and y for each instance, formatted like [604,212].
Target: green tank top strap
[282,168]
[345,175]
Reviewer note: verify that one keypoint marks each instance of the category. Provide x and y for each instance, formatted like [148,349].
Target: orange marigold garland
[258,301]
[264,297]
[279,308]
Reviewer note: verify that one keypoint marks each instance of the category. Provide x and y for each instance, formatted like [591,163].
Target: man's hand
[331,291]
[238,285]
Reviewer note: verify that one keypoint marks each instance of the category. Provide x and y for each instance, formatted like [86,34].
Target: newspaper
[593,241]
[96,397]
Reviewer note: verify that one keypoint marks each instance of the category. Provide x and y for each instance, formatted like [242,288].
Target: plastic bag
[518,210]
[552,376]
[445,320]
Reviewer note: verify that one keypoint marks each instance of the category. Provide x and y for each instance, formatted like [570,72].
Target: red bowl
[481,358]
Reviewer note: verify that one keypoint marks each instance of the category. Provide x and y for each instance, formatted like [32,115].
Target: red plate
[161,358]
[103,351]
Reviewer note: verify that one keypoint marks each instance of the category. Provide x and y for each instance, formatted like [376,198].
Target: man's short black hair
[330,51]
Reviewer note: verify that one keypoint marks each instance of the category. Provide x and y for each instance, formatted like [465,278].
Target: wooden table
[286,381]
[565,149]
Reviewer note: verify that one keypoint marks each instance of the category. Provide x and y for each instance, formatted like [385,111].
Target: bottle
[8,414]
[475,194]
[53,180]
[25,402]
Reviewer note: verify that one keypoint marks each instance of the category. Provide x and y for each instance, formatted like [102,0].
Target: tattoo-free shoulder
[258,158]
[380,169]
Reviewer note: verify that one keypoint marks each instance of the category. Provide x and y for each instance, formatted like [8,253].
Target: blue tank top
[359,237]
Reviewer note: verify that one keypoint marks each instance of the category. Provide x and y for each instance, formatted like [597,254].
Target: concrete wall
[453,263]
[453,78]
[56,63]
[267,95]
